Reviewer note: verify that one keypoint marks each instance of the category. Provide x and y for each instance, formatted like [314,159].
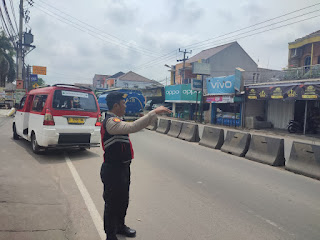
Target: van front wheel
[34,144]
[15,134]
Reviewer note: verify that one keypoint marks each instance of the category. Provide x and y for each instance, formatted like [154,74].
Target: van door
[22,116]
[18,119]
[25,126]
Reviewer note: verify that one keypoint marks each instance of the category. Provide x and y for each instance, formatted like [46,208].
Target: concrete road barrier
[236,143]
[266,150]
[175,128]
[153,126]
[304,159]
[212,137]
[164,126]
[189,132]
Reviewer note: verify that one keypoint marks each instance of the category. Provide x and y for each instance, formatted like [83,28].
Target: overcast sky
[76,39]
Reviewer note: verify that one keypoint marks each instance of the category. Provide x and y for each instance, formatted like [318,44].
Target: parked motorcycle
[295,126]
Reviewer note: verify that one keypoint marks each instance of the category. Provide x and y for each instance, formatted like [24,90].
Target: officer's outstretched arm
[114,126]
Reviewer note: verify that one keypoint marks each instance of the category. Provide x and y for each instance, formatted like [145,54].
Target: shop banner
[222,85]
[181,93]
[285,92]
[220,99]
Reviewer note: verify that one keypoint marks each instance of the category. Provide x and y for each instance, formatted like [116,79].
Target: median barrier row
[164,126]
[175,129]
[153,126]
[212,137]
[304,158]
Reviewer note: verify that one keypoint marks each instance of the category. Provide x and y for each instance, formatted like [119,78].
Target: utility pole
[184,63]
[19,48]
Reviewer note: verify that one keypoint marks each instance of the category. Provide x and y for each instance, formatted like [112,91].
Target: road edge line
[96,218]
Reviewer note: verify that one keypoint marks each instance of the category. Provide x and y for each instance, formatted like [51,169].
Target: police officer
[115,170]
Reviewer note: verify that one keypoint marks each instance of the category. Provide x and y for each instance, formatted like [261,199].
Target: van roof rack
[70,85]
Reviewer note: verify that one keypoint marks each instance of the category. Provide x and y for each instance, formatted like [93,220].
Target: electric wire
[13,32]
[256,24]
[209,43]
[82,30]
[104,37]
[101,31]
[4,24]
[249,35]
[14,15]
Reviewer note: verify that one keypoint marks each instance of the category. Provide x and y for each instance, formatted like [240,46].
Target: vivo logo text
[226,84]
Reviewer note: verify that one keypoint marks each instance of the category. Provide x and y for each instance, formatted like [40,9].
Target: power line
[200,46]
[110,35]
[271,19]
[4,24]
[229,41]
[13,32]
[14,15]
[88,30]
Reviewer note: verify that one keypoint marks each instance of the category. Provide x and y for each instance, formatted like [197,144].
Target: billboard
[181,93]
[285,92]
[39,70]
[221,85]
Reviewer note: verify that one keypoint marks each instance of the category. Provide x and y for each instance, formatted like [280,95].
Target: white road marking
[97,220]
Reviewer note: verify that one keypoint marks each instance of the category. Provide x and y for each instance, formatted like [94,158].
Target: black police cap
[115,96]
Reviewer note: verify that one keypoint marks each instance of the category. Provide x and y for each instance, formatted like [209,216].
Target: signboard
[39,70]
[221,85]
[35,85]
[19,93]
[196,84]
[34,77]
[201,68]
[285,92]
[220,99]
[181,93]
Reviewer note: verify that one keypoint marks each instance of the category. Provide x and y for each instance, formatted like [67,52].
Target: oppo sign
[172,92]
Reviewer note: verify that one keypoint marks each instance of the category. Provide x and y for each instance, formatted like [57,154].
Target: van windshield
[73,100]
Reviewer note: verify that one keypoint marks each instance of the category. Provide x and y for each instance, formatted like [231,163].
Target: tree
[41,82]
[7,66]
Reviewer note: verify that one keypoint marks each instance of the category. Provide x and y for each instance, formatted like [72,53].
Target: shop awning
[285,91]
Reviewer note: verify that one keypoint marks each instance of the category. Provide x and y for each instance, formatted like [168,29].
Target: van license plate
[72,120]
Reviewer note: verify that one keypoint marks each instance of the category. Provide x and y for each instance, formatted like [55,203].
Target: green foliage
[7,65]
[41,82]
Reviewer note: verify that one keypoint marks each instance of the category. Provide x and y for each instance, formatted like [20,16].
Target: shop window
[318,59]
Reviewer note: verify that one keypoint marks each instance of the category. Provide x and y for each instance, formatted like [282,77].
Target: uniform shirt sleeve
[121,127]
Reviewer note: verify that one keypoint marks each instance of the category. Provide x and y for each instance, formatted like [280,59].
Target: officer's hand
[162,109]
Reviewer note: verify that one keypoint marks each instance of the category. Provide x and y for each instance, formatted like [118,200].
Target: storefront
[226,107]
[185,101]
[298,101]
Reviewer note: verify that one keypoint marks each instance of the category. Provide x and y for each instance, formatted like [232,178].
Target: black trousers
[116,184]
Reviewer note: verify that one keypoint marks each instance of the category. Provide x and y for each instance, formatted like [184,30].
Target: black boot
[126,231]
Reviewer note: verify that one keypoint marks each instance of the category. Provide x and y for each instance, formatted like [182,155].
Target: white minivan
[60,116]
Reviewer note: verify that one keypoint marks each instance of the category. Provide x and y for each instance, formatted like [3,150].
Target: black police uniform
[115,175]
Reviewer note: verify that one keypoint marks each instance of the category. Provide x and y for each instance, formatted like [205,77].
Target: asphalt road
[181,190]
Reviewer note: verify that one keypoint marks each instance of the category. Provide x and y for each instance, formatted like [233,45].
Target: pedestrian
[118,154]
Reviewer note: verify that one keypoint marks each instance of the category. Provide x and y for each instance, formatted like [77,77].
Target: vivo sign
[221,85]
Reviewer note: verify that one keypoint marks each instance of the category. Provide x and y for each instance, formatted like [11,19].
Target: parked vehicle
[296,126]
[60,116]
[135,102]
